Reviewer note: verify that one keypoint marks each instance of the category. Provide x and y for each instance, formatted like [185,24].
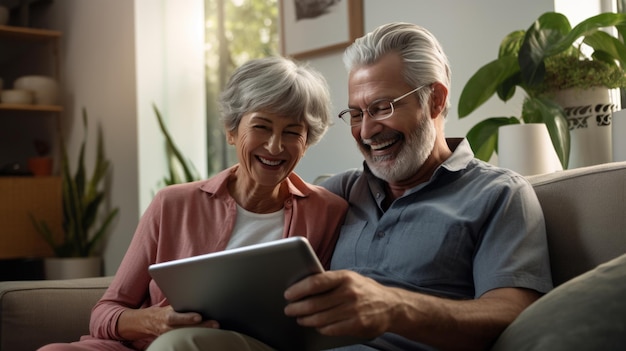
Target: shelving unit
[24,33]
[34,108]
[19,36]
[27,51]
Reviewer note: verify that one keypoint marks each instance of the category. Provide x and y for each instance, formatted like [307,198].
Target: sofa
[585,211]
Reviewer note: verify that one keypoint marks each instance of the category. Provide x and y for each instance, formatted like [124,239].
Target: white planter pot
[588,114]
[72,267]
[527,149]
[618,126]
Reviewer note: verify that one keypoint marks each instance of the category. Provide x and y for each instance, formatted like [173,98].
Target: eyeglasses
[378,110]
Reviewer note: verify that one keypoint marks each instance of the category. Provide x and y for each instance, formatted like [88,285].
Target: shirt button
[380,234]
[378,195]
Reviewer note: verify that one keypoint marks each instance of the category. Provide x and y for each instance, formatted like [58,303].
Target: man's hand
[346,303]
[342,303]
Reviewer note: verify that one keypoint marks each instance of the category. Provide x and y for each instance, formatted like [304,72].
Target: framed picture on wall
[314,27]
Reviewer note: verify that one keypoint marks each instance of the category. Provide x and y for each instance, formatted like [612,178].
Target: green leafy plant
[180,169]
[82,198]
[536,60]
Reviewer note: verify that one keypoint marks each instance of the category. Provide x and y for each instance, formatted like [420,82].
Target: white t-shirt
[253,228]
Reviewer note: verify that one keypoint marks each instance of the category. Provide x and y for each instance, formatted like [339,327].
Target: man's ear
[438,99]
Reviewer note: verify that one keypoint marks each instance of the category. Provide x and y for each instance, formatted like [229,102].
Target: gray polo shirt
[471,228]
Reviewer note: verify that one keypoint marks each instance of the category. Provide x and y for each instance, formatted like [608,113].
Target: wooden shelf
[34,108]
[25,33]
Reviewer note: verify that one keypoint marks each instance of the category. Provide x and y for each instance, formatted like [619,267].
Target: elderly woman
[273,110]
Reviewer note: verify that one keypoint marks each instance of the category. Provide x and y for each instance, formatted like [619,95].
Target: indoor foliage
[549,50]
[82,197]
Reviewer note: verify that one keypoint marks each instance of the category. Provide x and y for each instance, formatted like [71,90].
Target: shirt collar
[461,156]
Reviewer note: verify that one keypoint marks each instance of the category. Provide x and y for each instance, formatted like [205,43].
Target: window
[236,31]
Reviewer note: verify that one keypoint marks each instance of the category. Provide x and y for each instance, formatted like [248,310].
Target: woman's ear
[230,137]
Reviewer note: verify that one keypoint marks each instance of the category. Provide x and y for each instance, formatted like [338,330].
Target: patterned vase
[618,125]
[588,113]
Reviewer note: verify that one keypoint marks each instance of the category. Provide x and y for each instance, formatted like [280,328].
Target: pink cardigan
[197,218]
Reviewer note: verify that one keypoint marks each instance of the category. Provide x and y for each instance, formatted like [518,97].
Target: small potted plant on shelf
[538,61]
[41,165]
[84,225]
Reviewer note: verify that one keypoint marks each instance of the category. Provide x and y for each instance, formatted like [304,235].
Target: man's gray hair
[424,59]
[279,86]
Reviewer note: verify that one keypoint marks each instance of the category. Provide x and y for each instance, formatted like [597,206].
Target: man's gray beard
[417,148]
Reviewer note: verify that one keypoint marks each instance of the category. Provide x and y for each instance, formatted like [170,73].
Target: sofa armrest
[36,313]
[584,212]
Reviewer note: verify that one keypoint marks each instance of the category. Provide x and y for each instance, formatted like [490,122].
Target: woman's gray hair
[424,59]
[279,86]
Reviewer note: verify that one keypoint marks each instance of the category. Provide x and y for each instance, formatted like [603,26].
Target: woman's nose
[274,144]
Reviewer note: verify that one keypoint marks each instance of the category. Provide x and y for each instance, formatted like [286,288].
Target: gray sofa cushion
[585,313]
[585,217]
[35,313]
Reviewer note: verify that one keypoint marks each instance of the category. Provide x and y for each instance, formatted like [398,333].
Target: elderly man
[439,250]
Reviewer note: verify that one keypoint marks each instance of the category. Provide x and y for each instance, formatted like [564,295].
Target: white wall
[470,33]
[98,73]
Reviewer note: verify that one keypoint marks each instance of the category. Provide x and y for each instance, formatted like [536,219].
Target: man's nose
[369,126]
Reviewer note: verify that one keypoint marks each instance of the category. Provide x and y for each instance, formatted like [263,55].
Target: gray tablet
[243,290]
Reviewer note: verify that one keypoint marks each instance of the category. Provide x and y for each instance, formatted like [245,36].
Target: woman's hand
[154,321]
[167,319]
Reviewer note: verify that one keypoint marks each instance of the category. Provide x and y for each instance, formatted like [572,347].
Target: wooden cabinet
[23,197]
[27,51]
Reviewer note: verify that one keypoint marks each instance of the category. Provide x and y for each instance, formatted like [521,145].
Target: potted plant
[40,165]
[180,168]
[535,60]
[82,196]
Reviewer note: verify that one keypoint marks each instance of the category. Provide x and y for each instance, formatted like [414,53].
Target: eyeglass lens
[378,109]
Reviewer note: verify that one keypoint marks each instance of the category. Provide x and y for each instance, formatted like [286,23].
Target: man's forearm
[458,325]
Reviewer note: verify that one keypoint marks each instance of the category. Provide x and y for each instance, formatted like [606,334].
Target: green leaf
[546,32]
[541,110]
[607,48]
[483,84]
[511,44]
[550,35]
[99,234]
[483,137]
[506,90]
[175,157]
